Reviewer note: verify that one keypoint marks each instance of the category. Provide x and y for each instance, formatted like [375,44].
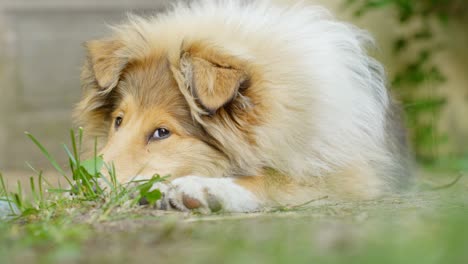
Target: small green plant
[87,185]
[146,191]
[47,219]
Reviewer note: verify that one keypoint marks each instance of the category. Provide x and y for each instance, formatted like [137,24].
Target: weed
[86,185]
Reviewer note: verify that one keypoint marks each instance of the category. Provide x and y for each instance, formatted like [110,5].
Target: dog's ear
[105,62]
[212,85]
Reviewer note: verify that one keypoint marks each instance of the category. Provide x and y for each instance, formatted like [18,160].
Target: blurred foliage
[418,79]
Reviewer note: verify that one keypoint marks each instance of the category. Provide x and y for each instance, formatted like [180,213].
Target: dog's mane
[299,46]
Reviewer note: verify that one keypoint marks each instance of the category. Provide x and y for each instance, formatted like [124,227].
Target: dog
[245,105]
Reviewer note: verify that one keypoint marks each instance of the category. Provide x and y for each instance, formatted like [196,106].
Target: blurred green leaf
[399,45]
[93,166]
[147,193]
[425,104]
[423,34]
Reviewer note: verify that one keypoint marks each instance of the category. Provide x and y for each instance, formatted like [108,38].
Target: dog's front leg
[206,195]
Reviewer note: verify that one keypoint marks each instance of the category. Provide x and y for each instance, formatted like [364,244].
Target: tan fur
[144,85]
[106,64]
[276,189]
[230,116]
[206,77]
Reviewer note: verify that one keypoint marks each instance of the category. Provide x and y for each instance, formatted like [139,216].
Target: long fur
[319,101]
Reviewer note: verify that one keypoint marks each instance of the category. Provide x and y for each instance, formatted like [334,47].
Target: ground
[425,226]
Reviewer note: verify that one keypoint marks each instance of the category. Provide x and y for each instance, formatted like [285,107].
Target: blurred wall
[40,57]
[41,54]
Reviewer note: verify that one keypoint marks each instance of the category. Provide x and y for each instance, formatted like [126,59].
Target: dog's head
[171,115]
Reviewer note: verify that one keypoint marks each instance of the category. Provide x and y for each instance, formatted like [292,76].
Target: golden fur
[236,108]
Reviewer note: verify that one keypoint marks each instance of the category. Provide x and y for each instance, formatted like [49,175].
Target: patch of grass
[95,219]
[49,216]
[86,185]
[430,239]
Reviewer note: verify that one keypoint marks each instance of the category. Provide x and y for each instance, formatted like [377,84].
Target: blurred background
[422,43]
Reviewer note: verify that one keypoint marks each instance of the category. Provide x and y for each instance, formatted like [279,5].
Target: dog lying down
[245,106]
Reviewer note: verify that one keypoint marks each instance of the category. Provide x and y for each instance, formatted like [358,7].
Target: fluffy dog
[245,105]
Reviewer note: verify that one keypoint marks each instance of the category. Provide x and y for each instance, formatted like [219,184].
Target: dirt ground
[425,226]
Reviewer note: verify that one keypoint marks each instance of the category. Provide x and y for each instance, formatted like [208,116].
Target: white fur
[327,100]
[329,95]
[231,196]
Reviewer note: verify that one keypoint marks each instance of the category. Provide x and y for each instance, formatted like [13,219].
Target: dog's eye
[118,121]
[161,133]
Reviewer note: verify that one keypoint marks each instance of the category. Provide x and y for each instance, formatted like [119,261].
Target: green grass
[87,188]
[59,218]
[101,222]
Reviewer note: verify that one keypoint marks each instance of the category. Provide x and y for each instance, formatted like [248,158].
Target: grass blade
[4,188]
[48,156]
[70,155]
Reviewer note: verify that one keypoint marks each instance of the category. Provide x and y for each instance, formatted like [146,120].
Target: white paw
[206,195]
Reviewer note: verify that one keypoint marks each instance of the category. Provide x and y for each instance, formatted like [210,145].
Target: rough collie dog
[245,105]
